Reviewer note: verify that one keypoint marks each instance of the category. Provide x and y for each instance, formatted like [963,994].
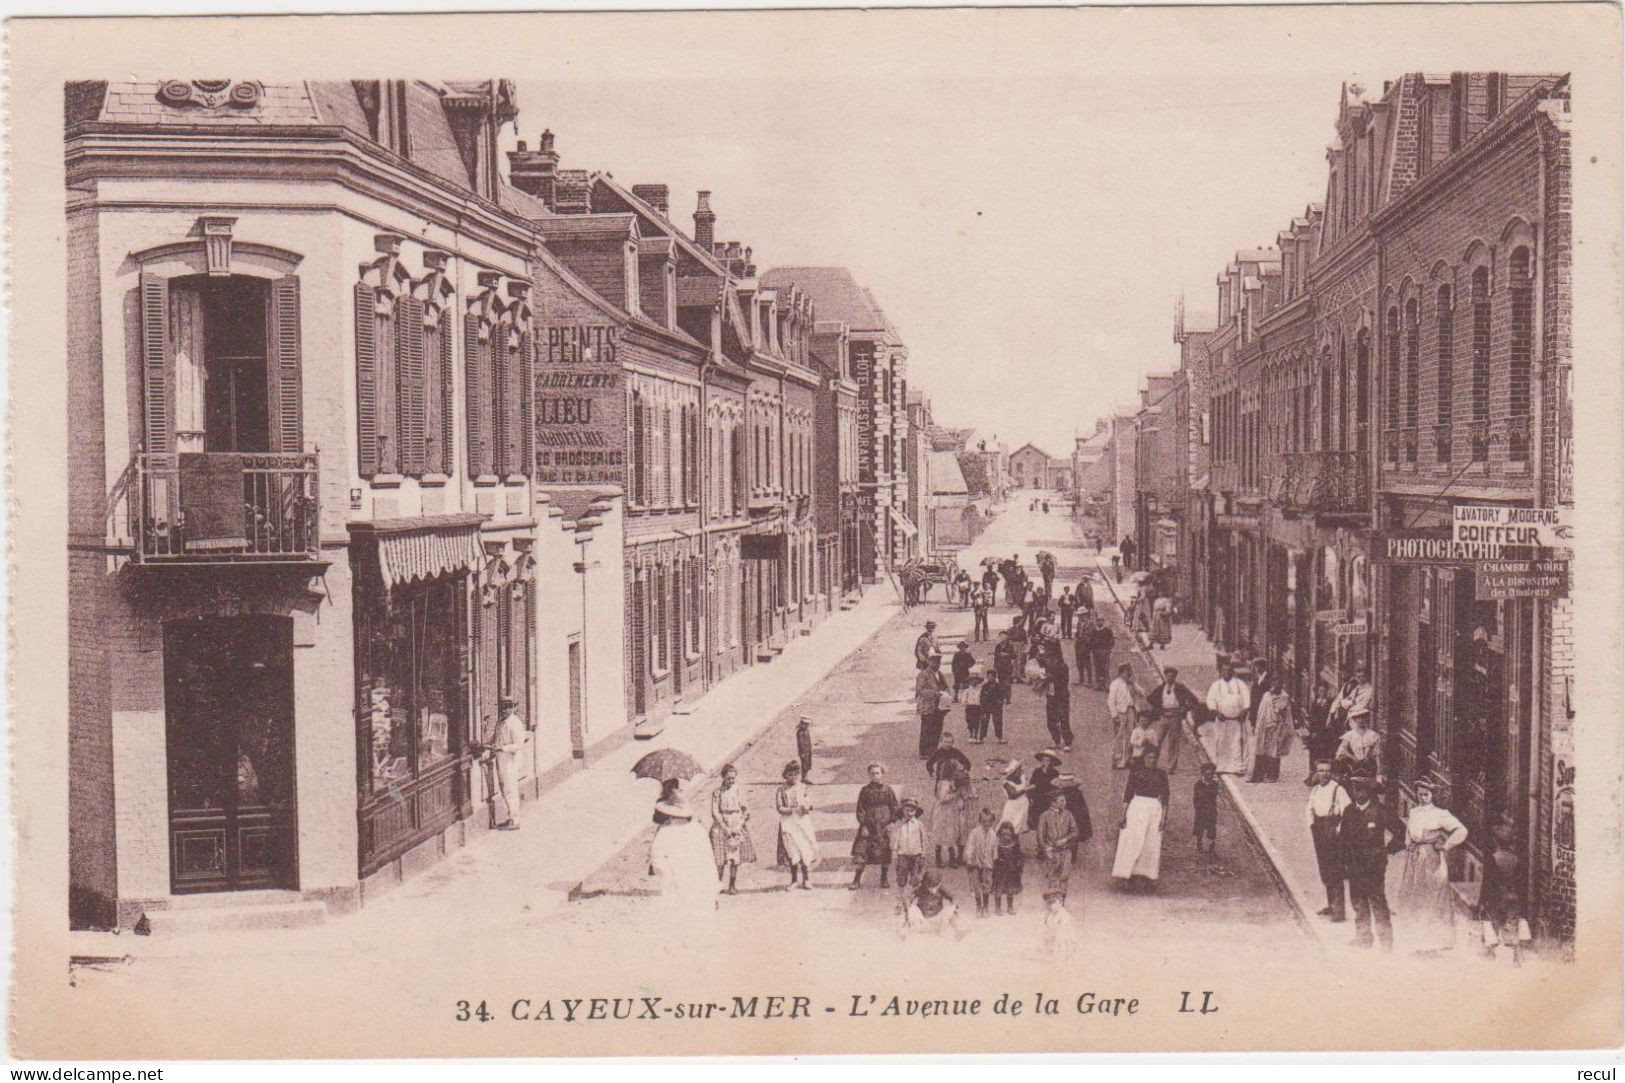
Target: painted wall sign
[580,408]
[1498,580]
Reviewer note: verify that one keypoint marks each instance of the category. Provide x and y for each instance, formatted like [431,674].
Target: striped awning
[903,523]
[422,548]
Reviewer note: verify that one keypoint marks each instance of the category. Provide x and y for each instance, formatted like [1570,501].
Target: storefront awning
[424,547]
[902,523]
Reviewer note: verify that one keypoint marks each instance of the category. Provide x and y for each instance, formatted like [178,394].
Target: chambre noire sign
[580,411]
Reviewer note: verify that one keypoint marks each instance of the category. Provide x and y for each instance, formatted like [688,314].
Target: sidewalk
[517,878]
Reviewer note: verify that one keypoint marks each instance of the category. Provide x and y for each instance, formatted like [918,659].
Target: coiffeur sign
[1523,528]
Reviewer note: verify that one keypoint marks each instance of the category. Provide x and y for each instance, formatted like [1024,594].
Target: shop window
[408,646]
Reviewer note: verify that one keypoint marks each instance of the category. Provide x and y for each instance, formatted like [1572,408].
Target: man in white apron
[509,739]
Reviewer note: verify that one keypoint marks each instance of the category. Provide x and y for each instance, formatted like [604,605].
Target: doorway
[228,690]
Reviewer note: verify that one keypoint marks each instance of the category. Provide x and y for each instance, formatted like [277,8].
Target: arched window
[1391,415]
[1445,347]
[1362,390]
[1481,363]
[1520,354]
[1326,399]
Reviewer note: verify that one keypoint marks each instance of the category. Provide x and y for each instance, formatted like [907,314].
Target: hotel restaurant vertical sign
[580,411]
[863,370]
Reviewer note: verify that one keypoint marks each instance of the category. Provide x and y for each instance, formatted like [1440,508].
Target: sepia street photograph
[657,534]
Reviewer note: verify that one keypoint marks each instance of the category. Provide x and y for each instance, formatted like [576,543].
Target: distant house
[1030,467]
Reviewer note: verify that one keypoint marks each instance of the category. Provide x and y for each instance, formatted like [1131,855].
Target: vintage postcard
[956,531]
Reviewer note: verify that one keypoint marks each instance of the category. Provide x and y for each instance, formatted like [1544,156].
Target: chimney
[657,196]
[705,221]
[535,172]
[573,192]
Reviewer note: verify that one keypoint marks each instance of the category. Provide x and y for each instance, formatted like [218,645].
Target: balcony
[223,508]
[1322,483]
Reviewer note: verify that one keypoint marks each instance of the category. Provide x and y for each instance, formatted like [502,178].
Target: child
[1205,796]
[1060,933]
[981,848]
[1007,859]
[992,695]
[804,748]
[973,706]
[930,908]
[1142,737]
[909,846]
[1500,906]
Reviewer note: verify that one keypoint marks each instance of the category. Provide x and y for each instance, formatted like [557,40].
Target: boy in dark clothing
[995,694]
[1103,654]
[804,747]
[962,661]
[1205,797]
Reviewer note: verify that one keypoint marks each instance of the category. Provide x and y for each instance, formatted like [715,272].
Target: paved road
[863,711]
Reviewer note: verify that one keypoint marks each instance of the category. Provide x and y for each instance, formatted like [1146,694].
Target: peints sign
[580,408]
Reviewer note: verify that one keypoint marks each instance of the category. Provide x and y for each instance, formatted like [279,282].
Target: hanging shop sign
[1499,580]
[1431,547]
[580,410]
[1521,528]
[1350,628]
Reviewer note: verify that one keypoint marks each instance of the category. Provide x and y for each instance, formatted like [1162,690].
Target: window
[1326,400]
[1481,363]
[1413,337]
[1521,307]
[409,708]
[1342,395]
[660,642]
[637,425]
[1362,390]
[1392,418]
[1445,345]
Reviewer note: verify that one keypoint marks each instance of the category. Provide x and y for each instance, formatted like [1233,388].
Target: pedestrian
[1142,738]
[930,908]
[1057,688]
[944,758]
[730,840]
[962,587]
[908,845]
[1359,752]
[1057,840]
[1084,596]
[1016,793]
[1103,641]
[877,809]
[1367,835]
[981,602]
[1162,621]
[508,740]
[1319,735]
[1425,900]
[981,847]
[1083,651]
[1145,818]
[1205,800]
[926,645]
[975,720]
[960,666]
[1272,732]
[1041,784]
[1060,931]
[1005,656]
[798,840]
[1224,735]
[804,747]
[1328,800]
[931,701]
[1172,705]
[1065,605]
[1127,547]
[990,583]
[1007,862]
[1117,568]
[1122,704]
[949,820]
[1501,913]
[1354,701]
[681,855]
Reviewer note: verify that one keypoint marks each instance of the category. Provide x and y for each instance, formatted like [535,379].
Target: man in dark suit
[1370,832]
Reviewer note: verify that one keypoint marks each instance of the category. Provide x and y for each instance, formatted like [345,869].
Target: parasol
[664,763]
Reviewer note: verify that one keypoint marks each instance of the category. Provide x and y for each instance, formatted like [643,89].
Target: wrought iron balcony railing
[224,508]
[1322,483]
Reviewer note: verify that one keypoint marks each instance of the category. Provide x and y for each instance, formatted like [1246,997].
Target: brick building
[836,504]
[308,556]
[1159,483]
[1030,467]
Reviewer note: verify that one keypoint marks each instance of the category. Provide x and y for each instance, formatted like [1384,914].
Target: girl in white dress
[1425,904]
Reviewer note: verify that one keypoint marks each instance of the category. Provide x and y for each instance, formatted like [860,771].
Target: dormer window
[630,271]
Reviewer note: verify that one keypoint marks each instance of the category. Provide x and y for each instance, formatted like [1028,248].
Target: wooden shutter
[479,399]
[486,645]
[366,379]
[526,382]
[157,365]
[518,654]
[283,370]
[447,433]
[411,387]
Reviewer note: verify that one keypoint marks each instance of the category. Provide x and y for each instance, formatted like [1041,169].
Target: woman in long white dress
[1145,815]
[798,841]
[681,855]
[1425,904]
[1016,798]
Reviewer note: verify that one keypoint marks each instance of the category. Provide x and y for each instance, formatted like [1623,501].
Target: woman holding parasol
[681,852]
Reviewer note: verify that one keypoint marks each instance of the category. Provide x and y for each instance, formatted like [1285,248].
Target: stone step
[226,916]
[210,900]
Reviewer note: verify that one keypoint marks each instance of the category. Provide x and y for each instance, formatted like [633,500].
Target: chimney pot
[705,221]
[657,196]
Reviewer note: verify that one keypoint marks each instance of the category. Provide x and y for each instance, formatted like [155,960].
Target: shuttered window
[481,419]
[283,368]
[411,388]
[157,366]
[366,379]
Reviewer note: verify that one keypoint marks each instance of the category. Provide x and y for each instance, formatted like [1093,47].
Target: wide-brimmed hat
[1052,753]
[909,802]
[1362,782]
[930,624]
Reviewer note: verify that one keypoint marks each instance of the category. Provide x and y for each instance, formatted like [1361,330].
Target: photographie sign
[580,410]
